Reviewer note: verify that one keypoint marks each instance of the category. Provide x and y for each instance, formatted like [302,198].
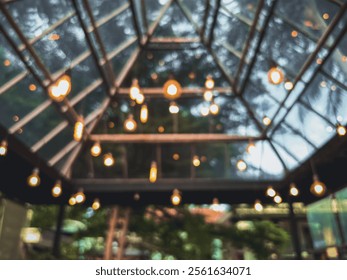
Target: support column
[110,233]
[57,235]
[294,231]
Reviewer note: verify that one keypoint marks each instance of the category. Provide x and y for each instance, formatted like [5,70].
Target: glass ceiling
[103,44]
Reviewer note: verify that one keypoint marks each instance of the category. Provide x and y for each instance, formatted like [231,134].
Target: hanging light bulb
[288,85]
[196,161]
[130,124]
[136,196]
[204,111]
[60,89]
[275,76]
[80,197]
[214,109]
[258,206]
[208,96]
[72,201]
[140,98]
[144,113]
[293,190]
[57,189]
[3,148]
[172,89]
[278,199]
[251,148]
[317,188]
[241,165]
[108,160]
[173,109]
[266,120]
[96,150]
[270,191]
[134,89]
[78,130]
[209,83]
[153,172]
[341,130]
[176,197]
[96,204]
[34,179]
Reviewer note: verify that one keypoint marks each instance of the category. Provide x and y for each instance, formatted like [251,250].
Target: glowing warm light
[130,124]
[258,206]
[208,95]
[288,85]
[108,160]
[174,109]
[3,148]
[161,129]
[96,150]
[7,62]
[140,98]
[344,58]
[251,148]
[325,16]
[204,111]
[294,34]
[319,61]
[134,89]
[176,156]
[214,109]
[333,87]
[266,121]
[96,204]
[209,83]
[54,37]
[72,201]
[241,165]
[34,179]
[270,192]
[153,172]
[323,84]
[60,89]
[78,130]
[32,87]
[136,196]
[196,161]
[80,197]
[57,189]
[154,76]
[172,89]
[278,199]
[317,188]
[275,76]
[144,113]
[215,201]
[293,190]
[341,130]
[176,197]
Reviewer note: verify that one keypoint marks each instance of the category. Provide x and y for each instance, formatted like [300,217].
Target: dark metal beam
[135,20]
[144,15]
[213,25]
[170,138]
[187,184]
[203,28]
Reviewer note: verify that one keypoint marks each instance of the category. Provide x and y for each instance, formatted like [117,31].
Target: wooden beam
[174,40]
[168,184]
[169,138]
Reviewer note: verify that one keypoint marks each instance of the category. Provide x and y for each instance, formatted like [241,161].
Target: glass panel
[197,10]
[19,100]
[229,60]
[153,9]
[91,102]
[176,161]
[214,160]
[341,198]
[102,8]
[288,159]
[241,8]
[322,224]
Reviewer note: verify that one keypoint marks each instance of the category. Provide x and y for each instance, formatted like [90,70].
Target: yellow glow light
[258,206]
[241,165]
[72,201]
[176,156]
[278,199]
[204,111]
[317,188]
[153,172]
[209,83]
[96,150]
[176,197]
[208,95]
[172,89]
[266,121]
[96,204]
[174,109]
[7,62]
[325,16]
[293,191]
[80,197]
[288,85]
[341,130]
[214,109]
[294,34]
[54,37]
[196,161]
[275,76]
[32,87]
[108,160]
[161,129]
[140,98]
[134,89]
[270,192]
[3,148]
[130,124]
[78,130]
[144,113]
[34,179]
[57,189]
[60,89]
[251,148]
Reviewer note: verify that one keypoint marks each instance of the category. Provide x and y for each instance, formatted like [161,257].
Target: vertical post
[122,238]
[341,250]
[110,233]
[175,123]
[57,235]
[294,231]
